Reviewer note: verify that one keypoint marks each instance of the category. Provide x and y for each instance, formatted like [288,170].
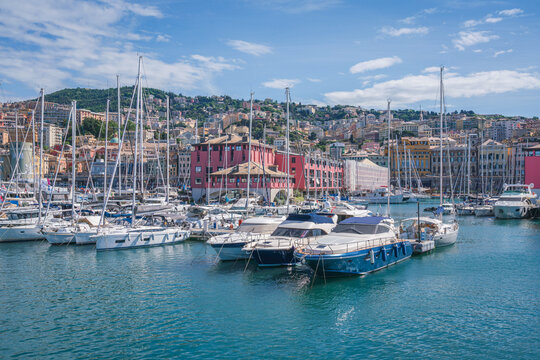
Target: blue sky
[328,51]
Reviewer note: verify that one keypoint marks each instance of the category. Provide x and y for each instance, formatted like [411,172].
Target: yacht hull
[85,238]
[466,211]
[394,199]
[230,251]
[510,212]
[447,239]
[21,233]
[274,257]
[360,262]
[55,238]
[134,239]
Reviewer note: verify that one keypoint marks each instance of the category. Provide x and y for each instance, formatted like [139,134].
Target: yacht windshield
[257,228]
[297,233]
[360,229]
[511,198]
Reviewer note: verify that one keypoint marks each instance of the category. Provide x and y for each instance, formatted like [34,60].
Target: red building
[532,167]
[209,160]
[324,174]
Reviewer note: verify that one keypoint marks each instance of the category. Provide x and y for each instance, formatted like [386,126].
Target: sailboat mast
[168,154]
[468,165]
[41,152]
[119,137]
[73,160]
[34,150]
[208,167]
[141,128]
[288,95]
[441,139]
[388,162]
[106,147]
[249,148]
[134,172]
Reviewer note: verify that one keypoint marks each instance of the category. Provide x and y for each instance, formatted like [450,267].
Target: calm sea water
[477,299]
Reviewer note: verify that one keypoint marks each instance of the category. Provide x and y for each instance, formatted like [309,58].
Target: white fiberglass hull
[394,199]
[63,238]
[449,238]
[116,240]
[510,211]
[21,233]
[85,238]
[483,211]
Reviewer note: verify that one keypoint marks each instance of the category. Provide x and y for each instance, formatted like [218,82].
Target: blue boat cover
[366,220]
[314,218]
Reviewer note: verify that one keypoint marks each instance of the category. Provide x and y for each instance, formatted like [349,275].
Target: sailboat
[25,225]
[137,235]
[448,232]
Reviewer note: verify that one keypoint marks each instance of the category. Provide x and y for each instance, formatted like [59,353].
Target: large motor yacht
[297,230]
[357,246]
[516,202]
[229,246]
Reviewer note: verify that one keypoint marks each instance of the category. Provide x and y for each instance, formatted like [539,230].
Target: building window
[239,148]
[198,169]
[293,160]
[198,181]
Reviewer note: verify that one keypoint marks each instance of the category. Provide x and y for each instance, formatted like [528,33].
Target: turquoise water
[477,299]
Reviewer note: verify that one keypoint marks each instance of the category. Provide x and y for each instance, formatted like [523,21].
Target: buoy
[372,256]
[383,253]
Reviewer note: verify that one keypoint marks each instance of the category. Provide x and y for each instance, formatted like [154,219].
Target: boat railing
[346,248]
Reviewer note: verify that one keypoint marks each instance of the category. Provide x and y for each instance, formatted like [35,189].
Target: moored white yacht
[443,234]
[380,196]
[516,202]
[296,230]
[229,246]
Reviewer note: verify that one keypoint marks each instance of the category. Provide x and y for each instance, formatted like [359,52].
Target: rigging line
[15,171]
[58,166]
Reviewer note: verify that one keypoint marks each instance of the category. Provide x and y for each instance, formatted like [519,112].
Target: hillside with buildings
[322,138]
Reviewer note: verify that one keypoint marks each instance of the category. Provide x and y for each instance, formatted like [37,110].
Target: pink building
[532,167]
[209,160]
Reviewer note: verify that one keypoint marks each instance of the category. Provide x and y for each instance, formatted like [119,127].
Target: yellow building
[413,153]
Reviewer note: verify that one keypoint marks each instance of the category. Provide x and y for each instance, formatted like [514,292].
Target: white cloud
[163,38]
[511,12]
[408,20]
[493,20]
[375,64]
[469,38]
[413,88]
[249,48]
[472,23]
[497,53]
[281,83]
[477,50]
[432,69]
[314,80]
[404,31]
[83,43]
